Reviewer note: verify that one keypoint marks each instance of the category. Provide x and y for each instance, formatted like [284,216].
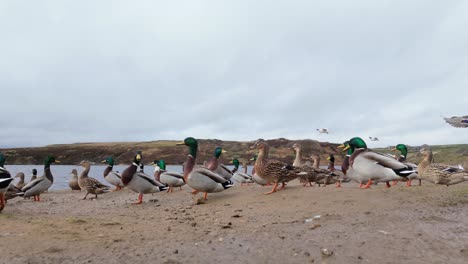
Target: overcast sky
[88,71]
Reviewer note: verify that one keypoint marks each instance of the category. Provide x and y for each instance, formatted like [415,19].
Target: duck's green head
[192,144]
[355,143]
[110,161]
[346,147]
[34,171]
[219,151]
[2,159]
[49,160]
[402,148]
[162,164]
[235,162]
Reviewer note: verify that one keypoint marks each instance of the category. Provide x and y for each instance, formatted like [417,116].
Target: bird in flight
[457,121]
[323,130]
[374,138]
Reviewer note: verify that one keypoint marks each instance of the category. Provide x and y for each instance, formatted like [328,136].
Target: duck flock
[360,165]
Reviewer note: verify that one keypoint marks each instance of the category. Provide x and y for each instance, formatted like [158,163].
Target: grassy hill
[123,152]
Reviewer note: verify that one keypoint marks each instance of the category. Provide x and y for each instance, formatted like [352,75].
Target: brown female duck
[439,173]
[89,184]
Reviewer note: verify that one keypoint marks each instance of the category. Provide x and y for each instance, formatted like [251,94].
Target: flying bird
[457,121]
[374,138]
[323,130]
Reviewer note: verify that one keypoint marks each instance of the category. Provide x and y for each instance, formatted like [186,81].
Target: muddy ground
[427,224]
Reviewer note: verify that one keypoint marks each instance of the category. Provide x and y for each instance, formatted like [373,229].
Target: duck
[324,176]
[34,176]
[402,158]
[12,192]
[200,178]
[5,181]
[41,184]
[374,138]
[331,167]
[312,173]
[240,177]
[273,171]
[366,165]
[457,121]
[139,182]
[171,179]
[73,181]
[257,179]
[111,176]
[20,184]
[90,184]
[439,173]
[214,165]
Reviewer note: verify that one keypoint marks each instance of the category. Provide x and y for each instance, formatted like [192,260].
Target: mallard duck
[90,184]
[331,167]
[215,166]
[366,165]
[111,176]
[402,158]
[200,178]
[73,181]
[139,182]
[240,177]
[34,176]
[257,179]
[5,181]
[12,192]
[312,174]
[457,121]
[171,179]
[20,184]
[273,171]
[324,176]
[439,173]
[41,184]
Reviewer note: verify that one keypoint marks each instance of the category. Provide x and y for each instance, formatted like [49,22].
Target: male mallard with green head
[90,184]
[439,173]
[111,176]
[41,184]
[273,171]
[140,182]
[34,175]
[402,158]
[240,177]
[366,165]
[200,178]
[215,166]
[5,181]
[171,179]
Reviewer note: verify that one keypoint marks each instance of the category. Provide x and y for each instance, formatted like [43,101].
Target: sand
[427,224]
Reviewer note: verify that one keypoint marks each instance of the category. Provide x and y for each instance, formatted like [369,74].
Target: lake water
[62,173]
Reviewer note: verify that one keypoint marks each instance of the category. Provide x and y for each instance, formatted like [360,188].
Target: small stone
[326,252]
[193,224]
[169,228]
[176,251]
[200,201]
[101,235]
[220,239]
[307,254]
[236,216]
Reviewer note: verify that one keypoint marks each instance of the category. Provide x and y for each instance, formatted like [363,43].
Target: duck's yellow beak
[346,148]
[103,161]
[341,146]
[57,161]
[152,163]
[230,162]
[252,159]
[180,143]
[328,158]
[223,151]
[138,157]
[394,149]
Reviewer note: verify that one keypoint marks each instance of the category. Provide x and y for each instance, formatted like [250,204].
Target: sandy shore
[427,224]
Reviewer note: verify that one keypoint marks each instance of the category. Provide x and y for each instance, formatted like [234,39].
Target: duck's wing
[448,168]
[93,183]
[147,178]
[175,175]
[31,184]
[116,174]
[206,172]
[399,168]
[457,121]
[225,169]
